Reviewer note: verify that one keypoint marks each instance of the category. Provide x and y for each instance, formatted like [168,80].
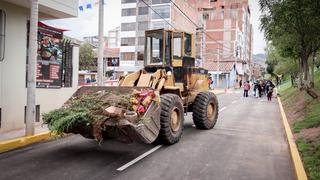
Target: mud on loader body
[170,70]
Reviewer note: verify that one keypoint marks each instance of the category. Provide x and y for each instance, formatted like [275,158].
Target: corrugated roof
[223,66]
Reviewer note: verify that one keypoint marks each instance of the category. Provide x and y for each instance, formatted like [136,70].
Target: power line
[185,14]
[158,14]
[197,25]
[189,20]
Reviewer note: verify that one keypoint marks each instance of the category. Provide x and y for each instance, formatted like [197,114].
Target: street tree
[86,57]
[293,27]
[279,65]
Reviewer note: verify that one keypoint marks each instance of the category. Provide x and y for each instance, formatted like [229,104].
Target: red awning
[50,27]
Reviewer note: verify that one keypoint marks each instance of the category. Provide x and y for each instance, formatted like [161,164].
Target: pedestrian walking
[240,83]
[255,88]
[270,90]
[259,87]
[246,88]
[209,82]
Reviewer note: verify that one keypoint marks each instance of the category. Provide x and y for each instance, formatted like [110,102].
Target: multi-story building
[94,40]
[136,17]
[228,39]
[57,62]
[114,38]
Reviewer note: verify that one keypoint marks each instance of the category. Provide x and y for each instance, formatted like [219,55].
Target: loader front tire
[205,110]
[171,119]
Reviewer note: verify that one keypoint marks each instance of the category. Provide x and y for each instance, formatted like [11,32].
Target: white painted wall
[13,73]
[128,19]
[124,34]
[127,49]
[128,5]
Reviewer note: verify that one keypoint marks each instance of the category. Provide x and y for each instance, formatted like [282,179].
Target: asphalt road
[248,142]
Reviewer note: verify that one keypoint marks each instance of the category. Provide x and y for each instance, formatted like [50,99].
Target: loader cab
[167,48]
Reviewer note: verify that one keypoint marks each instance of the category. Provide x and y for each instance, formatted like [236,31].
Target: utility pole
[32,61]
[101,45]
[218,75]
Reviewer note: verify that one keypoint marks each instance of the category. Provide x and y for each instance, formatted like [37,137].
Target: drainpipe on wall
[32,62]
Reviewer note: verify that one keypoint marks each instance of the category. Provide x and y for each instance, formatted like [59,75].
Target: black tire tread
[199,114]
[167,103]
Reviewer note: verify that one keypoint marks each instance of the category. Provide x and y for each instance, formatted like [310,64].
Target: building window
[113,61]
[2,34]
[127,56]
[163,11]
[128,41]
[128,26]
[141,41]
[128,12]
[160,1]
[128,1]
[37,118]
[143,10]
[37,113]
[143,25]
[140,56]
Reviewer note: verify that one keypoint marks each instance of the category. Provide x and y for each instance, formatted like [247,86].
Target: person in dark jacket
[270,86]
[259,87]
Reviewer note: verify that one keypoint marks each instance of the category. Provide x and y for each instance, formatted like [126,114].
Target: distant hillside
[259,59]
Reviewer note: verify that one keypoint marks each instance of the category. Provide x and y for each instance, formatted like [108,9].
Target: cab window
[187,44]
[154,48]
[177,45]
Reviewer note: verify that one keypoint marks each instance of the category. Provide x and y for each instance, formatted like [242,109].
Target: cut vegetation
[303,113]
[100,114]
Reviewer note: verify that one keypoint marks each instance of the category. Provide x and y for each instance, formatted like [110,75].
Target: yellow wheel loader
[169,69]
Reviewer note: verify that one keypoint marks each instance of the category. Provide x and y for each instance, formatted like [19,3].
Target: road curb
[295,156]
[23,141]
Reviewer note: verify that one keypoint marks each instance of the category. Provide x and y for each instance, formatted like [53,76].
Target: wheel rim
[211,111]
[175,120]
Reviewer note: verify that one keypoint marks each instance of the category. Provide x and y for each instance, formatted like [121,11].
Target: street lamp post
[32,61]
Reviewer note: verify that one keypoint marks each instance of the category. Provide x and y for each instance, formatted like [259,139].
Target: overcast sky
[86,24]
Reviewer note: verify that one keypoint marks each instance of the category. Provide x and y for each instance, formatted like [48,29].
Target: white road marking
[222,109]
[234,101]
[139,158]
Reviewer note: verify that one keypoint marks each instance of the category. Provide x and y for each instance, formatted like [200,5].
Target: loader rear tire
[205,110]
[171,119]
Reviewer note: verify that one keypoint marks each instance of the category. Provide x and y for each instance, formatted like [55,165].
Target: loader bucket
[146,129]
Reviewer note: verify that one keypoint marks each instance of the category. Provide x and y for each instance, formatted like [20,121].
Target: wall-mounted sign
[50,52]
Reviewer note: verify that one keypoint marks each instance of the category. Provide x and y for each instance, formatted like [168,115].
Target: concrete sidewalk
[4,136]
[221,91]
